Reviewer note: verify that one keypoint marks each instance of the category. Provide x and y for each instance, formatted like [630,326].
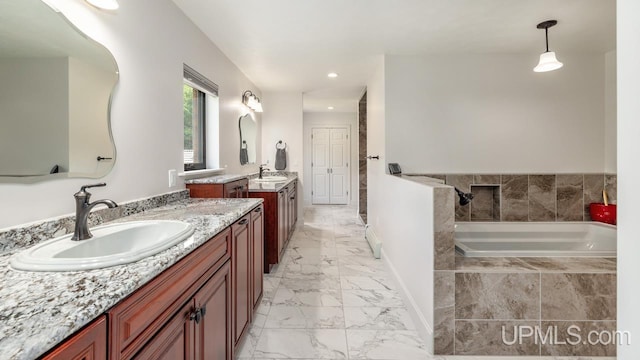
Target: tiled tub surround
[533,197]
[39,310]
[475,297]
[483,295]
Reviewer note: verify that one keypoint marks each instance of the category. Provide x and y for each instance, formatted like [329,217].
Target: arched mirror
[248,132]
[55,94]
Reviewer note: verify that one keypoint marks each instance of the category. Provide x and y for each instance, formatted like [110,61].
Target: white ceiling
[291,45]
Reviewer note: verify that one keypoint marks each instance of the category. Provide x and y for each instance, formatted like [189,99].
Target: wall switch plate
[173,178]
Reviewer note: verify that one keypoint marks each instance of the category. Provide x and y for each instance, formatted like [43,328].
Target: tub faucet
[83,208]
[465,198]
[262,169]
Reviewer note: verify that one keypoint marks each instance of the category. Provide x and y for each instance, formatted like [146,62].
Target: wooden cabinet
[213,340]
[257,255]
[136,319]
[89,343]
[233,189]
[199,329]
[241,276]
[174,341]
[199,308]
[280,217]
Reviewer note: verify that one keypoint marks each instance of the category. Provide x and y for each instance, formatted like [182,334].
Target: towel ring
[284,145]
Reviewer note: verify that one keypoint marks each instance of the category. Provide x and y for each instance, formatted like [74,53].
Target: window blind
[200,80]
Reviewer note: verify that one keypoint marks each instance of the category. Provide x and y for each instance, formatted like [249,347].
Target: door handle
[377,157]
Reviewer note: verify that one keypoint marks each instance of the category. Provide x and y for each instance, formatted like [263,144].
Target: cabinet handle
[243,221]
[196,315]
[257,210]
[203,310]
[292,198]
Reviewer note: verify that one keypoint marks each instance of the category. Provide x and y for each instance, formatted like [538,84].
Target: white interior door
[320,166]
[330,166]
[339,166]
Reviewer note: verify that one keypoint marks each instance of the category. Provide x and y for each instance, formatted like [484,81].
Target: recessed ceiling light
[330,108]
[332,75]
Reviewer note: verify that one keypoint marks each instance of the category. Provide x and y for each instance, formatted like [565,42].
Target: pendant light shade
[548,60]
[105,4]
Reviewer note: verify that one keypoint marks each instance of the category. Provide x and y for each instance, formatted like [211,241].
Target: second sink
[111,245]
[272,179]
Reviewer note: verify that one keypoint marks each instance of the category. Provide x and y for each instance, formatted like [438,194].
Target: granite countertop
[217,179]
[40,309]
[255,186]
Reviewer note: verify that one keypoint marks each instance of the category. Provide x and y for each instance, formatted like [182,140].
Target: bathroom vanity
[280,202]
[221,186]
[192,301]
[281,215]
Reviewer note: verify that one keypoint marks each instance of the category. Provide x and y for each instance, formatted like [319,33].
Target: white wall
[89,91]
[628,28]
[150,48]
[327,119]
[34,138]
[492,113]
[611,114]
[282,120]
[376,146]
[406,232]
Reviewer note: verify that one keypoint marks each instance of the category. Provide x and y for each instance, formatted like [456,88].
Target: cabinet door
[89,344]
[240,275]
[257,254]
[292,209]
[282,221]
[213,332]
[175,340]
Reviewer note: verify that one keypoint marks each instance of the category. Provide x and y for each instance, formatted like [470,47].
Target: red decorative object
[603,213]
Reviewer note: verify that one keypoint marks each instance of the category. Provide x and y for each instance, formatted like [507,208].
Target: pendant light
[548,61]
[105,4]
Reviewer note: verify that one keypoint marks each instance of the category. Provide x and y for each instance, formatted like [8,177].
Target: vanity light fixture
[548,61]
[252,101]
[332,75]
[104,4]
[330,108]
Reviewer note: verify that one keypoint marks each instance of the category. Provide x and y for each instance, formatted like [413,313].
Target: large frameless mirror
[55,94]
[248,132]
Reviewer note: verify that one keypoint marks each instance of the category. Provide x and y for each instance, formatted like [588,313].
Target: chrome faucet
[262,169]
[83,207]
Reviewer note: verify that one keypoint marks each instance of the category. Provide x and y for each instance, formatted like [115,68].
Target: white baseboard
[373,241]
[422,326]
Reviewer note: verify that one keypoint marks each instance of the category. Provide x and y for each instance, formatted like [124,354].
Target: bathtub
[541,239]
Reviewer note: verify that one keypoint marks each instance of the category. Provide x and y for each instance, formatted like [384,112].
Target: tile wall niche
[530,197]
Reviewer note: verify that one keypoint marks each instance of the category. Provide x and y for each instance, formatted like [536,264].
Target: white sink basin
[271,179]
[110,245]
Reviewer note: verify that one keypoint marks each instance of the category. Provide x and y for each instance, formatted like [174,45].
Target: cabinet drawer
[236,189]
[137,318]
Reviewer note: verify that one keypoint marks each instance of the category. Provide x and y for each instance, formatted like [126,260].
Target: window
[200,108]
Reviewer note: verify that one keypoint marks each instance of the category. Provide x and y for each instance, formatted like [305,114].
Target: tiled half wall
[476,298]
[530,197]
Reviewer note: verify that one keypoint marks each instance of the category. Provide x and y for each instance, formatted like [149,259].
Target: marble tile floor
[330,299]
